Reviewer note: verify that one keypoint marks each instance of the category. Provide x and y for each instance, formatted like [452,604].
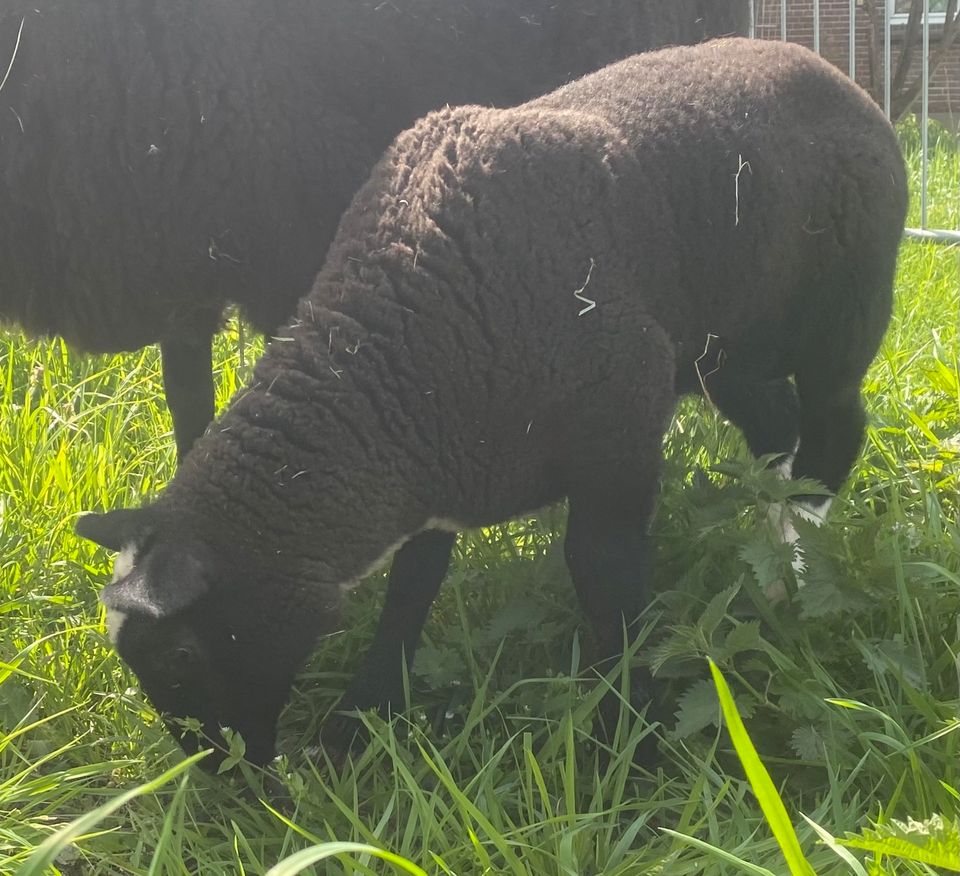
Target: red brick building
[869,26]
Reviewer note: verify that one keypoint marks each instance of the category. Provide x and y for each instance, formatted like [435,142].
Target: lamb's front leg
[415,577]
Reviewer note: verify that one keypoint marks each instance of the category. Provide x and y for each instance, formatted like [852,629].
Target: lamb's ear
[131,595]
[115,529]
[165,583]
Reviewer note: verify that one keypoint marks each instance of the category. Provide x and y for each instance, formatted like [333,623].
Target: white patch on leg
[375,565]
[122,566]
[784,468]
[781,517]
[444,524]
[814,512]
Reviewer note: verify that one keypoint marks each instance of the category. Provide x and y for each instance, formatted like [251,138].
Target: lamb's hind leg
[836,356]
[188,386]
[766,411]
[832,423]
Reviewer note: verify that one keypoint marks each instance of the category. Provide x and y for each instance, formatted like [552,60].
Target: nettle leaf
[803,704]
[767,560]
[827,589]
[819,599]
[743,637]
[807,487]
[682,646]
[880,656]
[707,517]
[439,667]
[700,708]
[935,841]
[762,479]
[737,468]
[808,743]
[521,615]
[819,560]
[716,610]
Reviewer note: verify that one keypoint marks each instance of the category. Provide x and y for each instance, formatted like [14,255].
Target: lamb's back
[760,176]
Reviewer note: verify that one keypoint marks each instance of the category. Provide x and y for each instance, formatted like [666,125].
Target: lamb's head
[206,631]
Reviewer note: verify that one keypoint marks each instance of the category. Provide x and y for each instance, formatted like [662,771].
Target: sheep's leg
[766,411]
[832,423]
[831,432]
[188,386]
[415,577]
[608,553]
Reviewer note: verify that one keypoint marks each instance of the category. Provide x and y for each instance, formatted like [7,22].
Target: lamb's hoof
[342,734]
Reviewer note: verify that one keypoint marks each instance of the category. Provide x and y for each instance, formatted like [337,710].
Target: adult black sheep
[508,311]
[159,159]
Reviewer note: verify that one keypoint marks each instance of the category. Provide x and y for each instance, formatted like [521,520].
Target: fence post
[925,114]
[852,27]
[816,26]
[887,56]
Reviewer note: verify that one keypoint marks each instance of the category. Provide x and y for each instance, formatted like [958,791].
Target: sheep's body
[505,318]
[159,160]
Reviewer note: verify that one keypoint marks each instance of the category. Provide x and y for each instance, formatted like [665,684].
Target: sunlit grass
[849,693]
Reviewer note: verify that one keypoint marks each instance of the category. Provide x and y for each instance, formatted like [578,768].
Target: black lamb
[161,158]
[510,307]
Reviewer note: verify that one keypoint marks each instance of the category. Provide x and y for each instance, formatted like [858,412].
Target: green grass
[849,692]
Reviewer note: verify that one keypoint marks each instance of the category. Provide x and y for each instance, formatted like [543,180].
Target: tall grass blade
[766,793]
[831,843]
[720,854]
[298,862]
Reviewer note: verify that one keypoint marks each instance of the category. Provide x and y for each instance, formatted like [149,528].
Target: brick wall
[834,45]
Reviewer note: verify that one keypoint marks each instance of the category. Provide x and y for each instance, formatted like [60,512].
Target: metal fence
[764,10]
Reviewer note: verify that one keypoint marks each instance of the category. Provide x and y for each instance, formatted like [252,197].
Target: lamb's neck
[304,470]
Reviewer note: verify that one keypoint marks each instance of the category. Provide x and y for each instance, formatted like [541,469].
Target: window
[900,11]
